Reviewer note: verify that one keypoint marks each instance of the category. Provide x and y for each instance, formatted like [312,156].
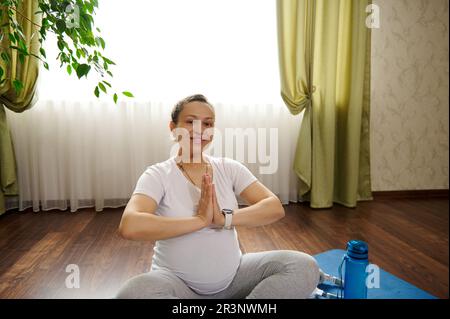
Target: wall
[410,110]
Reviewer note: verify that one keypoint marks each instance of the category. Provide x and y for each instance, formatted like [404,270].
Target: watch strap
[228,220]
[228,214]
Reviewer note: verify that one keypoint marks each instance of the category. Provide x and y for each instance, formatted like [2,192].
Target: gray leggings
[275,274]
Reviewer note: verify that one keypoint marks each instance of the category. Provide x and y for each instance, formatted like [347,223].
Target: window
[168,49]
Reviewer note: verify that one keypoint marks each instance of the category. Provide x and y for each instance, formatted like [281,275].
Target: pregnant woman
[188,207]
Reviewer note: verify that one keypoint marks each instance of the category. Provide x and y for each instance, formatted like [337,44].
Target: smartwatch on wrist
[228,213]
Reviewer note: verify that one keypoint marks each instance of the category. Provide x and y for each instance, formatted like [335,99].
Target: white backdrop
[75,151]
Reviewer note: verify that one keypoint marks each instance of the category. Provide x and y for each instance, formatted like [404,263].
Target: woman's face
[197,118]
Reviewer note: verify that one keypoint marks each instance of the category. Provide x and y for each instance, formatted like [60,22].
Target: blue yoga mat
[391,287]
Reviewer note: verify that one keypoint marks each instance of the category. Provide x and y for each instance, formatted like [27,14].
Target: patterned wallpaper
[410,89]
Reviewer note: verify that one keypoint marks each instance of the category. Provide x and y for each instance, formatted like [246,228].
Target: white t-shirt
[207,259]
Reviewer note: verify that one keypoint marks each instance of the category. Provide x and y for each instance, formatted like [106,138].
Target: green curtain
[324,55]
[28,74]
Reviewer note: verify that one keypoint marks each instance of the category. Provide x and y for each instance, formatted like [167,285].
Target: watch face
[227,211]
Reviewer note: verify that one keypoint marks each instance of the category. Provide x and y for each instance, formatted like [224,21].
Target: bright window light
[168,49]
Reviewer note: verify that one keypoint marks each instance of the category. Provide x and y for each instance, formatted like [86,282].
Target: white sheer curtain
[76,151]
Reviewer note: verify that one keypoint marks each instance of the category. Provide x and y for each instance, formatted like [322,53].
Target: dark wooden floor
[407,237]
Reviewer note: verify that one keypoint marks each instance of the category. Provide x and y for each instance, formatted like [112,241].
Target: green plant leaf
[102,87]
[20,33]
[75,44]
[83,70]
[61,25]
[115,97]
[126,93]
[18,85]
[23,46]
[5,56]
[11,38]
[108,61]
[100,42]
[60,45]
[22,58]
[81,52]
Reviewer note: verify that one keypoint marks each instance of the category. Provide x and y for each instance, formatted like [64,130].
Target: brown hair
[180,105]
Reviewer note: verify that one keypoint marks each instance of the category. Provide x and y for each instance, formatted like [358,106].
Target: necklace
[182,168]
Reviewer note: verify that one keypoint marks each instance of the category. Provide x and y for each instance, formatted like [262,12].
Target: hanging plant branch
[78,40]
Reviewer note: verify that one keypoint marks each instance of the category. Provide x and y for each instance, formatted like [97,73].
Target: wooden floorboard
[406,237]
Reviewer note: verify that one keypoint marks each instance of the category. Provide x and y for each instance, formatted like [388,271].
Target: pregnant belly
[206,260]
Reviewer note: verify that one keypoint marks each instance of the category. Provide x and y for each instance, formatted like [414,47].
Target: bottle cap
[357,249]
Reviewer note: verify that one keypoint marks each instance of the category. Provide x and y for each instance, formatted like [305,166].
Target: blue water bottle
[356,260]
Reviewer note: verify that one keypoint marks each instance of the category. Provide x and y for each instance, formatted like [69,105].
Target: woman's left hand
[218,218]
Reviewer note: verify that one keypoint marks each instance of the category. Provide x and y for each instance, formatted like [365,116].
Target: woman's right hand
[205,205]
